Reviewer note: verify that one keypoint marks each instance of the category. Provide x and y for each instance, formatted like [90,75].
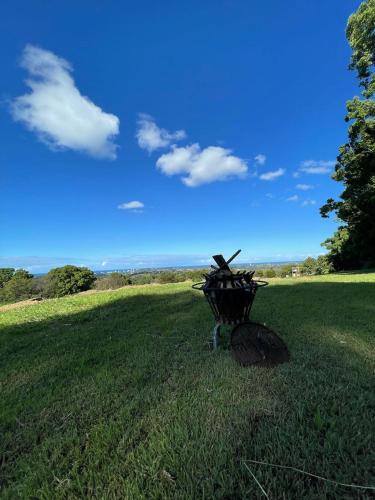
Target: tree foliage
[309,266]
[68,280]
[285,270]
[5,275]
[353,244]
[270,273]
[18,287]
[323,265]
[112,281]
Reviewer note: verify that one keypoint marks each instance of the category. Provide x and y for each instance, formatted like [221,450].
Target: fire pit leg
[215,337]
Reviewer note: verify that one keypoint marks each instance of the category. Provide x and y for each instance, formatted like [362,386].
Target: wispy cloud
[152,137]
[260,159]
[201,166]
[134,206]
[295,197]
[56,110]
[304,187]
[272,175]
[306,203]
[317,166]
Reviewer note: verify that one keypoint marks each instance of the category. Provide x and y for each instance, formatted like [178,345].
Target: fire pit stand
[231,296]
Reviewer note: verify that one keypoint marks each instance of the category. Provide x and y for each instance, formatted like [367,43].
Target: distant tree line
[16,285]
[308,267]
[19,284]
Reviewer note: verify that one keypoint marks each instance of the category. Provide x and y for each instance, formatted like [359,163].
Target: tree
[286,270]
[270,273]
[22,273]
[5,275]
[169,277]
[112,281]
[19,287]
[353,244]
[323,265]
[309,266]
[196,274]
[143,278]
[68,280]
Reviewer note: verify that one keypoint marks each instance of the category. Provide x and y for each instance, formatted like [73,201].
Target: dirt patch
[16,305]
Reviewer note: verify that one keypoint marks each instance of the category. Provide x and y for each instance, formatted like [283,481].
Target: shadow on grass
[144,360]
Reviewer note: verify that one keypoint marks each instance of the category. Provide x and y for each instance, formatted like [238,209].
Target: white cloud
[272,175]
[293,198]
[56,110]
[308,202]
[211,164]
[151,137]
[304,187]
[134,206]
[260,159]
[104,263]
[296,174]
[317,166]
[270,195]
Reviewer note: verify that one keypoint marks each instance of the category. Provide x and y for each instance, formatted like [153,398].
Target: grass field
[117,395]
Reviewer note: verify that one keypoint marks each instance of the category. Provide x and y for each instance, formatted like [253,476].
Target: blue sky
[159,133]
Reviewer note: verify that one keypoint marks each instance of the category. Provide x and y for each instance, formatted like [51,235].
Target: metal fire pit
[231,296]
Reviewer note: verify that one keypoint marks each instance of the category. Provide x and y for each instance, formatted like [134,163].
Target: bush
[286,270]
[40,286]
[270,273]
[309,266]
[5,275]
[170,277]
[18,287]
[68,280]
[323,265]
[112,281]
[196,274]
[143,279]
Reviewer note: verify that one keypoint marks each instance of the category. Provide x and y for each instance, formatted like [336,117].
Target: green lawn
[117,395]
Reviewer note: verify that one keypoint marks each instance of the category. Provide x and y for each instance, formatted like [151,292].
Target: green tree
[353,244]
[142,278]
[112,281]
[22,273]
[19,287]
[68,280]
[286,270]
[169,277]
[323,265]
[270,273]
[309,266]
[196,275]
[5,275]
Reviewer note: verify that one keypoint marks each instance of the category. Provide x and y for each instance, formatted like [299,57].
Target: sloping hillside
[117,395]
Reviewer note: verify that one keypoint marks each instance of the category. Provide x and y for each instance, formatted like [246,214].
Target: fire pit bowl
[231,303]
